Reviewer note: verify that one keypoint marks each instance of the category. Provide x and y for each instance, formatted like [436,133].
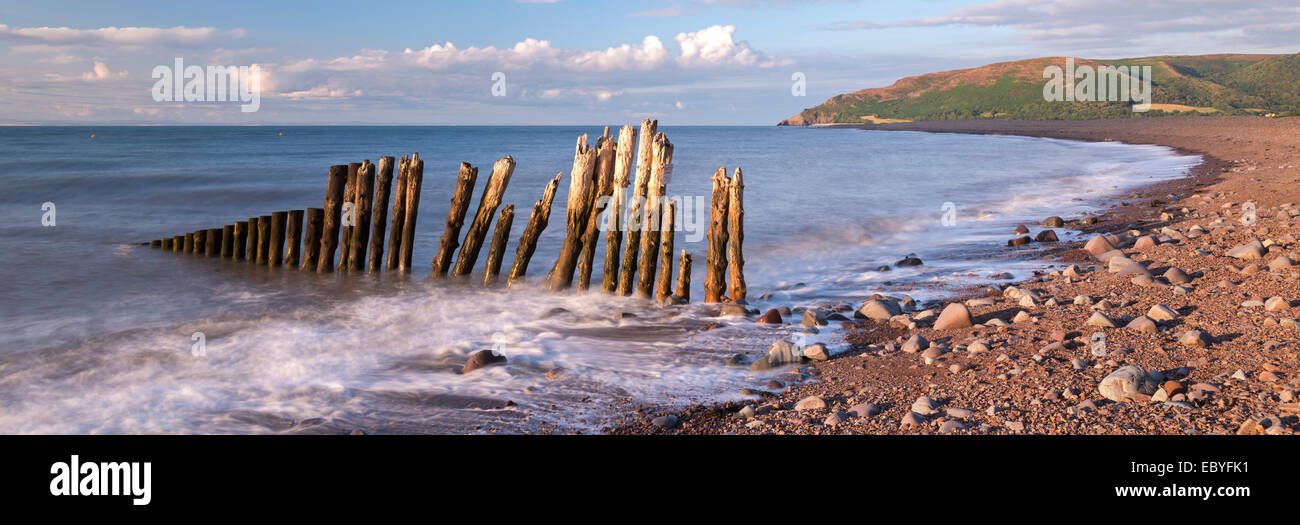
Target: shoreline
[1039,375]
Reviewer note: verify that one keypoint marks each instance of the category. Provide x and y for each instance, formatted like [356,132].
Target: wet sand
[1033,366]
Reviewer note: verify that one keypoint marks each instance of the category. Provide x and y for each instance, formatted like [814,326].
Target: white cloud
[101,72]
[118,36]
[714,46]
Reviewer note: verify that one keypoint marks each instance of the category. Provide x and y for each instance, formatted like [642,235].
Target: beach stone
[1021,230]
[1125,383]
[1098,245]
[1019,241]
[732,310]
[1144,243]
[1100,319]
[955,316]
[1277,304]
[978,346]
[1177,276]
[1053,222]
[1015,426]
[1249,251]
[1106,257]
[1046,236]
[1193,338]
[1161,312]
[1021,316]
[810,403]
[1082,300]
[1143,323]
[914,344]
[912,419]
[482,359]
[668,421]
[836,419]
[878,309]
[959,412]
[770,317]
[1281,264]
[780,353]
[812,317]
[925,406]
[910,260]
[746,413]
[864,410]
[816,352]
[951,426]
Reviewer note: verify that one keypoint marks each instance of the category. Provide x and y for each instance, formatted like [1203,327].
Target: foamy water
[97,333]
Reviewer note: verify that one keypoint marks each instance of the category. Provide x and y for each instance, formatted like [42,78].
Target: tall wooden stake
[333,214]
[275,252]
[500,237]
[227,240]
[450,239]
[349,215]
[581,179]
[379,215]
[617,206]
[487,208]
[250,252]
[664,286]
[212,244]
[263,239]
[414,181]
[293,239]
[361,203]
[736,228]
[603,189]
[399,215]
[663,156]
[684,278]
[536,224]
[635,218]
[240,240]
[715,262]
[313,227]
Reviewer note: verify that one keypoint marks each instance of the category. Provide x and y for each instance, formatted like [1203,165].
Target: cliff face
[1232,84]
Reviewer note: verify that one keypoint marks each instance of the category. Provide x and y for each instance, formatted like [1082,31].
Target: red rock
[770,317]
[481,359]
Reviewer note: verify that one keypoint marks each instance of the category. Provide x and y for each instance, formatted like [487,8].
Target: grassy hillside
[1221,84]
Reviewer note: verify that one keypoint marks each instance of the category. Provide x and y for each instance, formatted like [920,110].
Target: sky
[550,62]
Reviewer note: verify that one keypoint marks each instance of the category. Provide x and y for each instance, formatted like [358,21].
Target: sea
[99,335]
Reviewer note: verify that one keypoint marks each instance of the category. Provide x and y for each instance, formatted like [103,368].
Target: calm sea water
[96,332]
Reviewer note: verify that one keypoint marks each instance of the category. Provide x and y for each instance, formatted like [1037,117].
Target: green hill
[1220,84]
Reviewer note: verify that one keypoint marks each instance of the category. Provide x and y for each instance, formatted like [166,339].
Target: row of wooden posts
[354,221]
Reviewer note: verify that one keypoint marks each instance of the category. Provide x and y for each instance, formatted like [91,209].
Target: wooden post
[239,240]
[399,216]
[581,179]
[333,213]
[251,251]
[414,180]
[187,246]
[499,238]
[715,262]
[156,243]
[361,206]
[450,239]
[212,244]
[627,271]
[603,188]
[663,156]
[617,205]
[736,229]
[536,224]
[349,217]
[664,286]
[684,278]
[194,244]
[227,240]
[293,239]
[165,244]
[275,253]
[311,240]
[263,239]
[379,214]
[178,243]
[502,170]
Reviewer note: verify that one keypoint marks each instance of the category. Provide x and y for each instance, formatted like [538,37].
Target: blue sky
[565,61]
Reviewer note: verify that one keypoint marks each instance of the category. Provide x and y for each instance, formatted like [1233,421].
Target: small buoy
[281,133]
[92,135]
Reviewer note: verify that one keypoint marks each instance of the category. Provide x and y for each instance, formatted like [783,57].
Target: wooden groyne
[617,191]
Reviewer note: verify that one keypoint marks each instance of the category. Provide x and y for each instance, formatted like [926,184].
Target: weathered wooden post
[635,218]
[715,262]
[178,243]
[684,278]
[460,198]
[197,247]
[603,188]
[293,239]
[502,170]
[212,244]
[617,206]
[361,206]
[379,215]
[187,246]
[581,179]
[227,240]
[156,243]
[312,228]
[263,239]
[537,221]
[165,244]
[656,189]
[664,286]
[251,252]
[415,179]
[349,217]
[499,239]
[736,229]
[275,252]
[399,216]
[240,240]
[333,213]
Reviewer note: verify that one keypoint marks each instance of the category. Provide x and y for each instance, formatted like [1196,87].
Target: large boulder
[1098,245]
[1126,383]
[954,316]
[781,353]
[879,309]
